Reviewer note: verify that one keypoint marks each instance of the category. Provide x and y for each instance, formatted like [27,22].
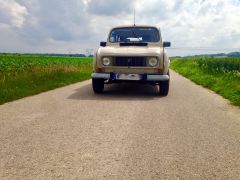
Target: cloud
[12,13]
[200,24]
[58,26]
[56,20]
[110,7]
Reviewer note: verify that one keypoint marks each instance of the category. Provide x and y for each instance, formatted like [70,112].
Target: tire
[97,85]
[164,88]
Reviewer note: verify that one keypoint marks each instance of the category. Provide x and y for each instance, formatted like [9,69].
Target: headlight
[106,61]
[152,61]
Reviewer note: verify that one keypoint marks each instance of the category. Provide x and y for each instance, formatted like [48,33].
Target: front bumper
[146,77]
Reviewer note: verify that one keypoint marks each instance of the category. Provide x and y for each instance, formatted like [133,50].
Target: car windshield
[134,34]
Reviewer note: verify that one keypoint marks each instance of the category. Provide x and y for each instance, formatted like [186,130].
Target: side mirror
[166,44]
[103,44]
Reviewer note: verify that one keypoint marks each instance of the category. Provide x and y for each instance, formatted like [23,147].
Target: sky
[77,26]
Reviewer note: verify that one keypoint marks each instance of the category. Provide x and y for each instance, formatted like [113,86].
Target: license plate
[128,77]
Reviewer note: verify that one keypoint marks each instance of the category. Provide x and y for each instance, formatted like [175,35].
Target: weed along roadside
[221,75]
[25,75]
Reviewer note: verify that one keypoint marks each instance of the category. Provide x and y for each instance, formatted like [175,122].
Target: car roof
[147,26]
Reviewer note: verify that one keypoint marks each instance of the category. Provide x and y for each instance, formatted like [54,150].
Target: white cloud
[110,7]
[58,26]
[12,13]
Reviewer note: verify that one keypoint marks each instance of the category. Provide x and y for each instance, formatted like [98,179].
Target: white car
[132,54]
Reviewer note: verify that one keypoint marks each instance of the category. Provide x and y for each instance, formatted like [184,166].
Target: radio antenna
[134,17]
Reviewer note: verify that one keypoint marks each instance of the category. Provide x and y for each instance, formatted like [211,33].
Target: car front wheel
[164,88]
[98,85]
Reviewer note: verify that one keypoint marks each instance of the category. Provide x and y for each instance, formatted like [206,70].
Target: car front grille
[130,61]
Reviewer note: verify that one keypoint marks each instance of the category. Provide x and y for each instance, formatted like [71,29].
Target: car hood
[130,51]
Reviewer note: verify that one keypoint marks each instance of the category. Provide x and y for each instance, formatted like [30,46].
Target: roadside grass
[26,75]
[221,75]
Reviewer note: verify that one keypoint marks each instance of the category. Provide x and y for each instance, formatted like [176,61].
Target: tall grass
[25,75]
[220,65]
[222,75]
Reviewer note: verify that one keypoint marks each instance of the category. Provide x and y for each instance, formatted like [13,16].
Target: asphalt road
[126,133]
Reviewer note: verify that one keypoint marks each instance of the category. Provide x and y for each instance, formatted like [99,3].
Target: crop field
[25,75]
[221,75]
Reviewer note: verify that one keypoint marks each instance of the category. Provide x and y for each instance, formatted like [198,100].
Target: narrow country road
[126,133]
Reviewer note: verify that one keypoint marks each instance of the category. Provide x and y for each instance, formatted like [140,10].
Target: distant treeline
[49,54]
[231,54]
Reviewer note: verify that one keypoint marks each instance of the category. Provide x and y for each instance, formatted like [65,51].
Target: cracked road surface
[126,133]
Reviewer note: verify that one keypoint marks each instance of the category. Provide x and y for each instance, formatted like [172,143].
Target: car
[132,54]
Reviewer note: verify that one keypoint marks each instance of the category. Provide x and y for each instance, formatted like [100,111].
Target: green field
[221,75]
[25,75]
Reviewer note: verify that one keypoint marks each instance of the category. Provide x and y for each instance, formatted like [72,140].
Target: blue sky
[57,26]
